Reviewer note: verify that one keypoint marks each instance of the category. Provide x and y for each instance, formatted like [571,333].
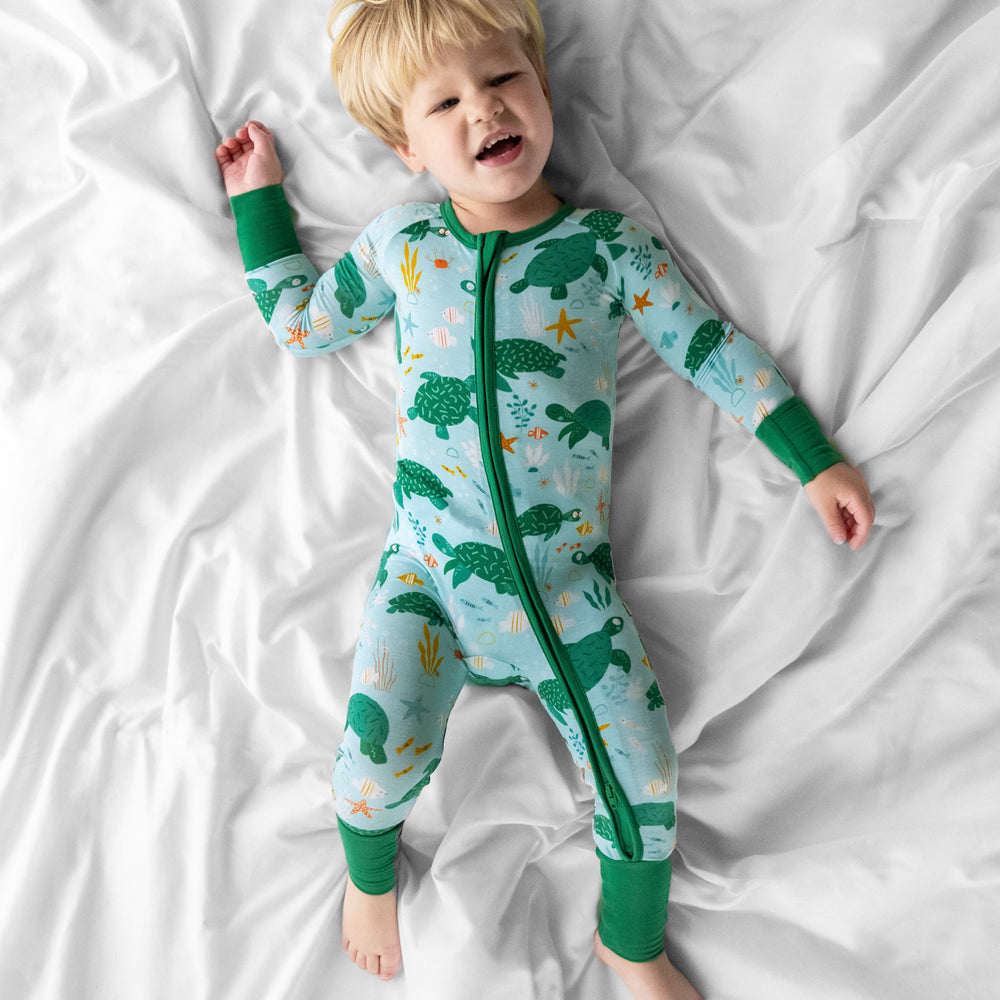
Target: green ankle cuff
[634,906]
[370,857]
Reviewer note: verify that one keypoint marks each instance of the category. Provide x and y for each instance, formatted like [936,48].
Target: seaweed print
[642,261]
[522,411]
[418,529]
[599,600]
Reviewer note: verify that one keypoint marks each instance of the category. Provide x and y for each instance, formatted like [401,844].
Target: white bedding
[192,518]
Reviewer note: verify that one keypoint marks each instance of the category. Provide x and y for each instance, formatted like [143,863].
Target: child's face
[486,95]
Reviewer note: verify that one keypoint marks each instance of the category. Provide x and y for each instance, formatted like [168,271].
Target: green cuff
[634,906]
[793,434]
[264,226]
[371,857]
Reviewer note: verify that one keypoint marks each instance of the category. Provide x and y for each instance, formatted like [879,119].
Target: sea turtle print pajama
[497,567]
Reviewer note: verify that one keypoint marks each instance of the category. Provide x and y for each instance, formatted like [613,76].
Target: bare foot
[371,932]
[655,980]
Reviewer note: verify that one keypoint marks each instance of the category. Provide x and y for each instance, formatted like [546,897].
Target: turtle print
[350,291]
[600,559]
[655,814]
[367,718]
[443,401]
[422,605]
[646,814]
[591,657]
[267,298]
[563,261]
[592,417]
[518,356]
[414,479]
[468,559]
[545,519]
[710,335]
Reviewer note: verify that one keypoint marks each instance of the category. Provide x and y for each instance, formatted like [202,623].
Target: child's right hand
[248,160]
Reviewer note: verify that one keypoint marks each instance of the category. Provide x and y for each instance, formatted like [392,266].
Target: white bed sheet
[191,518]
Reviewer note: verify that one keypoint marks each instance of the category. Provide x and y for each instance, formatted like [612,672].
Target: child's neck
[527,211]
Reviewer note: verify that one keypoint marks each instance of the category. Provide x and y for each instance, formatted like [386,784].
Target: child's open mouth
[501,150]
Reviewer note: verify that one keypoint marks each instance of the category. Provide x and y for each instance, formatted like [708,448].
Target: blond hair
[382,47]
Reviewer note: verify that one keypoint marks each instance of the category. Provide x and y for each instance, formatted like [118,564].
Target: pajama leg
[407,677]
[629,712]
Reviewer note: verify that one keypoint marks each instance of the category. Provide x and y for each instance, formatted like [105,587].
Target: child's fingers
[257,133]
[834,522]
[859,517]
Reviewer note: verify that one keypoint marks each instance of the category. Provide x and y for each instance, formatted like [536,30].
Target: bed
[192,518]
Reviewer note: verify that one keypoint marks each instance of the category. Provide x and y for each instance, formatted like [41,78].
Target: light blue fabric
[497,568]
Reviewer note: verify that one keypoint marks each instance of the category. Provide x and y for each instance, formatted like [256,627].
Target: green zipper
[628,840]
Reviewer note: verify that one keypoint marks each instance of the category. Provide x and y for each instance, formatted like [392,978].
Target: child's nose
[486,106]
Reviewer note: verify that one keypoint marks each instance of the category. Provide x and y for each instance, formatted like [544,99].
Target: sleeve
[733,371]
[307,313]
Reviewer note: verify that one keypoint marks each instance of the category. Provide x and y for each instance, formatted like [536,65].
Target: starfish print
[361,807]
[565,325]
[414,708]
[408,324]
[507,443]
[641,303]
[296,336]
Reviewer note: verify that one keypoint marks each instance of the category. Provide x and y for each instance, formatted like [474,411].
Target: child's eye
[445,104]
[503,78]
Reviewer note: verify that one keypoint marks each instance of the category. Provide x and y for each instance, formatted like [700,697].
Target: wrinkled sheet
[191,518]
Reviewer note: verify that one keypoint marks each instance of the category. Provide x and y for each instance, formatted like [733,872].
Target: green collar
[509,239]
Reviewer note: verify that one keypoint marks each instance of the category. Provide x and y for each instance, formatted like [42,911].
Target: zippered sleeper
[505,356]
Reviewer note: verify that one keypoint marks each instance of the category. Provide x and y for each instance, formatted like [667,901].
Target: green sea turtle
[706,339]
[545,519]
[654,698]
[414,479]
[606,226]
[267,298]
[600,559]
[591,656]
[383,574]
[366,717]
[422,605]
[518,356]
[563,261]
[351,292]
[487,562]
[655,814]
[646,814]
[443,401]
[592,417]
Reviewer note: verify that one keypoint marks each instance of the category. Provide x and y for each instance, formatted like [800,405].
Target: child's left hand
[248,159]
[841,497]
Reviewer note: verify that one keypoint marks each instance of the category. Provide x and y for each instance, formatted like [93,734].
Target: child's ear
[410,158]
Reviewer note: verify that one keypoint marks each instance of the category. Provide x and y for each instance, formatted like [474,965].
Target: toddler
[497,570]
